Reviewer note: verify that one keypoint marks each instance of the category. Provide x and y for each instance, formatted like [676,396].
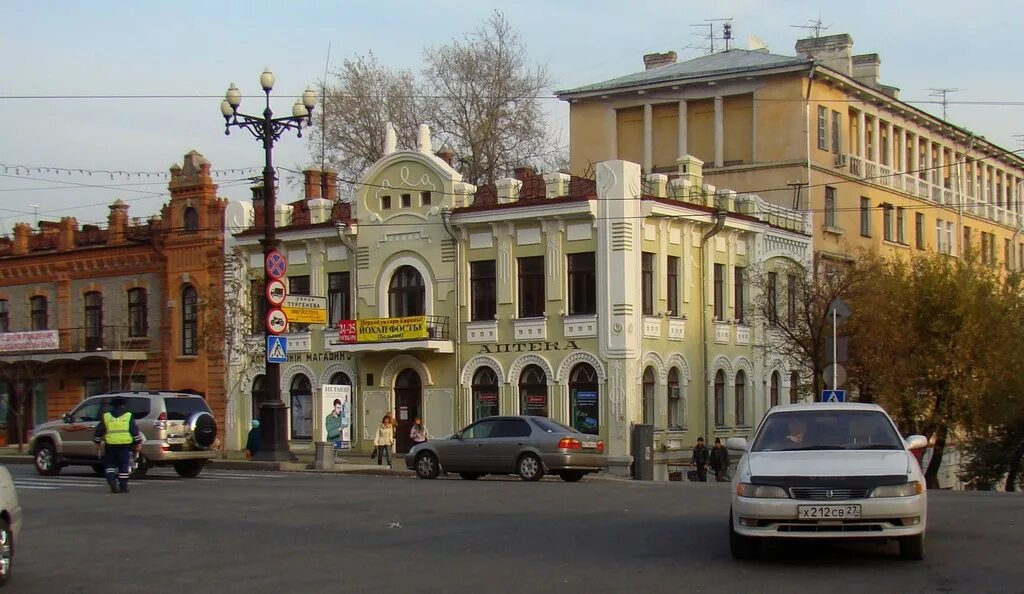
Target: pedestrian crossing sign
[277,349]
[833,395]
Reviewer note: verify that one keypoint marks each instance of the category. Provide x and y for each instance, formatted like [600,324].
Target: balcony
[378,335]
[73,344]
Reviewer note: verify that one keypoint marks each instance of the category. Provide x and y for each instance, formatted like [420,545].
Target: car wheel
[47,460]
[572,476]
[141,467]
[530,468]
[6,551]
[189,468]
[427,466]
[470,476]
[742,547]
[912,547]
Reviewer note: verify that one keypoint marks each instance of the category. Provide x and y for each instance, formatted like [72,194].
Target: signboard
[38,340]
[276,264]
[537,406]
[336,412]
[833,395]
[585,411]
[305,309]
[277,349]
[276,292]
[277,321]
[382,329]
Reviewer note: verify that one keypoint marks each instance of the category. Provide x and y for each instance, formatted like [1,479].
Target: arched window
[406,293]
[648,396]
[741,397]
[775,389]
[583,401]
[794,386]
[93,321]
[189,320]
[5,316]
[341,379]
[720,398]
[191,222]
[302,407]
[675,400]
[533,391]
[138,317]
[485,393]
[260,394]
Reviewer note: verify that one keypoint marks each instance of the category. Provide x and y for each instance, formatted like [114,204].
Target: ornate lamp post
[268,129]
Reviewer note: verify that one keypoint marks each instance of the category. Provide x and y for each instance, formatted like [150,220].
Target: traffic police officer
[121,436]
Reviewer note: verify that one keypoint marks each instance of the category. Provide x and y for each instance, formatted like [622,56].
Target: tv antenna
[815,25]
[710,35]
[943,93]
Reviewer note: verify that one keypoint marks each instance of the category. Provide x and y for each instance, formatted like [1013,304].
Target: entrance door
[408,402]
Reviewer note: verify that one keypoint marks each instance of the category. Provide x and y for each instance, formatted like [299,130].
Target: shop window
[584,403]
[741,397]
[485,394]
[533,391]
[301,393]
[720,398]
[675,400]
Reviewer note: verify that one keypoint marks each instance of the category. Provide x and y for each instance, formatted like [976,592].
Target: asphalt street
[252,532]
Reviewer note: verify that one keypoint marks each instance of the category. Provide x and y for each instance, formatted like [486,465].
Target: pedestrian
[384,440]
[700,460]
[719,460]
[252,442]
[418,433]
[120,437]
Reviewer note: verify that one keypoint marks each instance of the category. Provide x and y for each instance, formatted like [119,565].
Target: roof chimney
[258,206]
[312,183]
[21,235]
[867,69]
[522,173]
[117,222]
[832,51]
[652,61]
[329,184]
[446,155]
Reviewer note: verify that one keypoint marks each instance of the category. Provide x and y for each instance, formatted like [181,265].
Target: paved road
[235,531]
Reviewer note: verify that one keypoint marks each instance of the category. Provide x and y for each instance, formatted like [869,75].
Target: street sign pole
[835,356]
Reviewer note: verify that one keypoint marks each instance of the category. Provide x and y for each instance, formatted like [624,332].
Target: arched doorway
[485,393]
[302,407]
[533,391]
[260,394]
[586,407]
[408,402]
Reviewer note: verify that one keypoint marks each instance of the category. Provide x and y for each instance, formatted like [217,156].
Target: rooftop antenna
[943,93]
[815,25]
[710,35]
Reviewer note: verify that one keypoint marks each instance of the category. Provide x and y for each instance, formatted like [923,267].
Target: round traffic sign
[276,292]
[277,322]
[276,264]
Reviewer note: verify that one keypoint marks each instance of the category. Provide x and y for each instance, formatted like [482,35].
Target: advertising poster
[336,423]
[486,405]
[382,329]
[536,406]
[585,412]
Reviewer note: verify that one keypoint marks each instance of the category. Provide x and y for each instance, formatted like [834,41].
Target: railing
[105,338]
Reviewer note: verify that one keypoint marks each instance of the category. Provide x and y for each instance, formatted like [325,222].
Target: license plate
[590,444]
[827,512]
[175,440]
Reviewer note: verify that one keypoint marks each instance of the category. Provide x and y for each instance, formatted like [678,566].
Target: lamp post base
[274,427]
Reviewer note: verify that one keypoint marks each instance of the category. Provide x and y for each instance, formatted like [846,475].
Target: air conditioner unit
[840,160]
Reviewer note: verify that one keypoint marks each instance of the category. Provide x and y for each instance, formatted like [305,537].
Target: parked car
[525,445]
[828,471]
[10,524]
[178,428]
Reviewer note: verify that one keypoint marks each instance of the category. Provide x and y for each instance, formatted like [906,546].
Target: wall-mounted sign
[305,309]
[383,329]
[38,340]
[530,347]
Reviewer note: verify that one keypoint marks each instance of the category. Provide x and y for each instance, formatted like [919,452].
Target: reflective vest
[118,432]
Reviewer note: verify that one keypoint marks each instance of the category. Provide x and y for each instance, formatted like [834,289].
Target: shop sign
[529,347]
[382,329]
[37,340]
[585,411]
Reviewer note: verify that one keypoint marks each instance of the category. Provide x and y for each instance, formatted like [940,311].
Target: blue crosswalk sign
[277,349]
[833,395]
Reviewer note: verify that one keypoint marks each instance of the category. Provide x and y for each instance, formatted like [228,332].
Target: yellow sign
[383,329]
[305,309]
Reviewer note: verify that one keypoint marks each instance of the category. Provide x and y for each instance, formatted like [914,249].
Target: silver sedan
[528,446]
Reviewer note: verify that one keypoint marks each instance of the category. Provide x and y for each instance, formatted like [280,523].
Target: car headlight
[761,491]
[905,490]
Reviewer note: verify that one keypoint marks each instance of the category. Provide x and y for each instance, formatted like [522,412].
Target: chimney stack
[652,61]
[867,69]
[832,51]
[329,184]
[117,222]
[522,173]
[312,183]
[22,231]
[258,206]
[68,227]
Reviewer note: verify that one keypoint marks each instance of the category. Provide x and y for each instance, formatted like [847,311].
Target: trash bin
[642,448]
[323,456]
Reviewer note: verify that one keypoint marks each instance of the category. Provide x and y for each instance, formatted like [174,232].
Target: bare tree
[20,375]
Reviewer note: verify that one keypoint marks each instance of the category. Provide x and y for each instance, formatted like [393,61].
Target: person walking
[719,460]
[418,433]
[120,437]
[252,442]
[700,460]
[384,440]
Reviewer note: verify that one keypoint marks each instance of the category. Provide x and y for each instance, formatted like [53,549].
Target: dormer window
[406,200]
[191,219]
[425,198]
[385,202]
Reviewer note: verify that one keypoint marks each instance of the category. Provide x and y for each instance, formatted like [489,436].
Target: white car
[10,523]
[827,470]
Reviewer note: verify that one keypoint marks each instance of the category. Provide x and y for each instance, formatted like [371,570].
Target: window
[583,402]
[774,390]
[647,282]
[647,396]
[675,400]
[791,295]
[900,237]
[1007,254]
[92,386]
[512,428]
[485,429]
[301,393]
[919,230]
[719,292]
[740,284]
[741,397]
[38,306]
[485,393]
[830,206]
[836,123]
[773,298]
[93,321]
[582,284]
[483,289]
[385,202]
[865,216]
[949,240]
[298,285]
[89,411]
[406,293]
[720,398]
[887,222]
[531,287]
[5,316]
[406,200]
[191,219]
[189,320]
[822,128]
[138,317]
[259,305]
[968,244]
[425,198]
[794,386]
[533,391]
[672,278]
[339,302]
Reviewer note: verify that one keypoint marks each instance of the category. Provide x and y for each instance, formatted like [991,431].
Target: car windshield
[827,430]
[551,426]
[180,408]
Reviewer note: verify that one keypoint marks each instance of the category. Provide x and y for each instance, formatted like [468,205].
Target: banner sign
[382,329]
[38,340]
[336,410]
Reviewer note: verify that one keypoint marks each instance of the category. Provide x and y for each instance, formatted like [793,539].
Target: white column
[903,150]
[876,139]
[613,134]
[648,137]
[891,150]
[862,135]
[941,171]
[929,163]
[681,142]
[719,132]
[1004,200]
[915,156]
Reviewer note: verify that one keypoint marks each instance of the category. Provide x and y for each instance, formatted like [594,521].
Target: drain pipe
[807,130]
[342,228]
[719,225]
[446,216]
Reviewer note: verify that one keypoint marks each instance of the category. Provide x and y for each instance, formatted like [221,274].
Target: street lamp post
[268,129]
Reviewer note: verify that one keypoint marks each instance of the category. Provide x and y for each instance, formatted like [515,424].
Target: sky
[63,58]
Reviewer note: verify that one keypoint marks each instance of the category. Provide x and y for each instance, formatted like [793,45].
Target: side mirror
[736,443]
[67,417]
[916,442]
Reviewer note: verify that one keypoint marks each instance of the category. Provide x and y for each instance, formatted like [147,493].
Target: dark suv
[178,428]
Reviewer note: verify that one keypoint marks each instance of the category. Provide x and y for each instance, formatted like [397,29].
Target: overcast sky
[192,48]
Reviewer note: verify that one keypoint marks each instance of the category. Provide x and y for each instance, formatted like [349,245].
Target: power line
[943,93]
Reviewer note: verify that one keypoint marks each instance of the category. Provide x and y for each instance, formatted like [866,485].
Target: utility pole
[943,93]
